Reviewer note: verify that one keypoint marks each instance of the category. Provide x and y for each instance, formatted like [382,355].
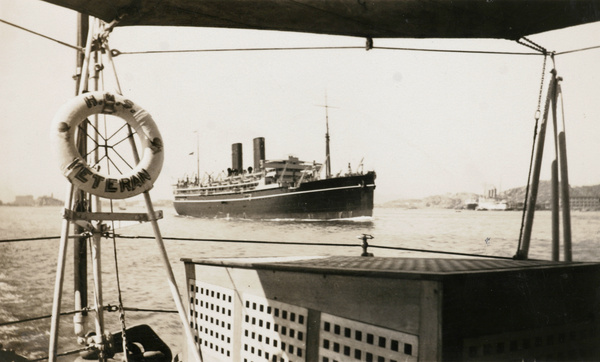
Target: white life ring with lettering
[141,178]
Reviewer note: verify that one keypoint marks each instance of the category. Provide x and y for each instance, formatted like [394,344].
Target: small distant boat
[492,202]
[492,205]
[471,204]
[273,189]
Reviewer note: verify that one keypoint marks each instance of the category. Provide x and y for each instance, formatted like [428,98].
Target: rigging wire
[456,51]
[115,52]
[108,308]
[30,239]
[62,354]
[103,40]
[79,49]
[292,243]
[577,50]
[42,317]
[314,244]
[523,41]
[119,294]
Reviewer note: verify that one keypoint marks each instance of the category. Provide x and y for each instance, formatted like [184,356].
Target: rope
[79,49]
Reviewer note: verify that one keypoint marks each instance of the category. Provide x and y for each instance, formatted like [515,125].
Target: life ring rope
[88,178]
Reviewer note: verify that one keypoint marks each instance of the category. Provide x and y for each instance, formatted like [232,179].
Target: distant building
[24,200]
[48,201]
[585,202]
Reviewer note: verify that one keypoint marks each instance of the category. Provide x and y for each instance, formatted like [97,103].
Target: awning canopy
[506,19]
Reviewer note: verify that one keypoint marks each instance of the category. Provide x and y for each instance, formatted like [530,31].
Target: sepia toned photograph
[299,180]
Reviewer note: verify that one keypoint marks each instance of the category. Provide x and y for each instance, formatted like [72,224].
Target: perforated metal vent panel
[344,339]
[211,317]
[577,342]
[272,331]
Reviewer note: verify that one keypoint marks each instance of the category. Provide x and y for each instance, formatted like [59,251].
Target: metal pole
[60,273]
[80,245]
[327,153]
[555,216]
[554,186]
[564,177]
[163,253]
[171,279]
[565,197]
[97,270]
[535,179]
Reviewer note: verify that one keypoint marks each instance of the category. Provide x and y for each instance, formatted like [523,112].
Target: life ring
[75,168]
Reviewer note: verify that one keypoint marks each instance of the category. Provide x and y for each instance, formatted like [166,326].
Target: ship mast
[197,155]
[327,154]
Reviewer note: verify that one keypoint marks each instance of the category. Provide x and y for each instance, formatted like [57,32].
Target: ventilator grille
[344,339]
[272,331]
[211,317]
[560,343]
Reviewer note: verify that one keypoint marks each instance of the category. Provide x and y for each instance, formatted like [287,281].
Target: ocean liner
[274,189]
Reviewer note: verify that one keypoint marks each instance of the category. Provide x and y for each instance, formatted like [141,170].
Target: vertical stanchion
[564,178]
[565,197]
[555,185]
[80,244]
[535,178]
[60,273]
[99,300]
[555,216]
[171,279]
[167,264]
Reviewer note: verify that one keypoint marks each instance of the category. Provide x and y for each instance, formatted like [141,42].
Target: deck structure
[393,309]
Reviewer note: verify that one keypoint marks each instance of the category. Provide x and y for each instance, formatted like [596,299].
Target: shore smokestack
[236,157]
[259,152]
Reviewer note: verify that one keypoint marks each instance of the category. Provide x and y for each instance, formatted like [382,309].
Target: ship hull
[334,198]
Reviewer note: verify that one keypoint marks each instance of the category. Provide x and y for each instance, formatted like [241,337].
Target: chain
[539,103]
[530,44]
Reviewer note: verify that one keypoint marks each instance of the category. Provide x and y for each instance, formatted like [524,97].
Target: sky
[427,123]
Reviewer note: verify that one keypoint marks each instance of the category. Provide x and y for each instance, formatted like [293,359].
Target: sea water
[27,269]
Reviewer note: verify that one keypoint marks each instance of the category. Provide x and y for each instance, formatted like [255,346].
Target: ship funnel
[236,158]
[259,152]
